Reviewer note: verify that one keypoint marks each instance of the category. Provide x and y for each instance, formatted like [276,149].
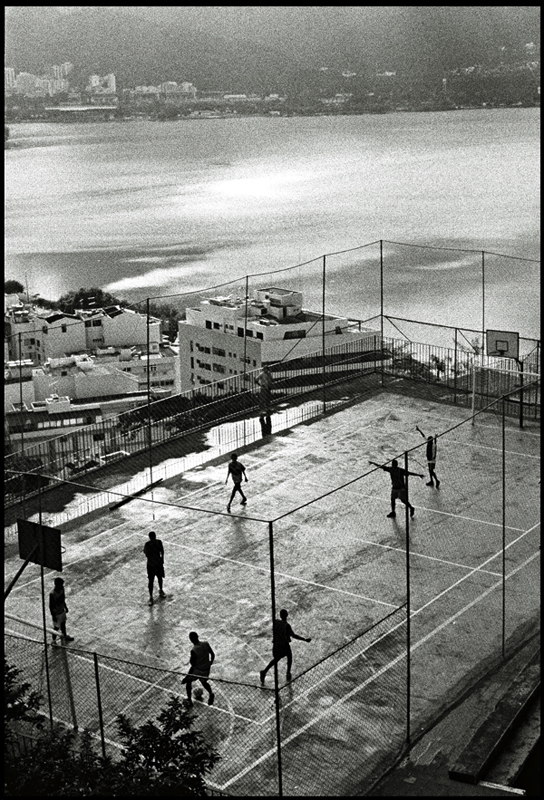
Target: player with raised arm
[431,457]
[399,490]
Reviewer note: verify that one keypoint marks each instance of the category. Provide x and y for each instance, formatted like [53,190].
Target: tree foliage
[87,298]
[13,287]
[162,758]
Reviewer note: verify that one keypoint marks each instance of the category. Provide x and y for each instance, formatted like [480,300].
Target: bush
[161,758]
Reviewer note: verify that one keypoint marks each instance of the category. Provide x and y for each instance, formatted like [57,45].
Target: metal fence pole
[381,305]
[408,670]
[323,279]
[99,701]
[455,369]
[245,354]
[149,432]
[276,692]
[45,655]
[503,531]
[521,394]
[483,296]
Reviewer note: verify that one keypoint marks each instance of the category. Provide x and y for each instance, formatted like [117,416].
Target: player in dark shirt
[398,485]
[431,457]
[201,659]
[281,647]
[154,552]
[237,470]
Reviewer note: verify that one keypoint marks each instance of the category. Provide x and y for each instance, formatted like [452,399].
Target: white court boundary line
[430,558]
[281,574]
[447,513]
[486,447]
[385,668]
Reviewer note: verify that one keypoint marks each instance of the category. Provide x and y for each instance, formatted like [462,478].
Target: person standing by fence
[265,381]
[59,609]
[431,457]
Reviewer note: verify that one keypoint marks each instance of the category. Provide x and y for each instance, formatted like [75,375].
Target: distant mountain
[263,48]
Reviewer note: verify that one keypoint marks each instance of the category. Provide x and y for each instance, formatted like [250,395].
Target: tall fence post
[483,296]
[520,393]
[323,335]
[149,430]
[408,666]
[45,642]
[99,701]
[276,691]
[455,369]
[381,305]
[503,530]
[245,353]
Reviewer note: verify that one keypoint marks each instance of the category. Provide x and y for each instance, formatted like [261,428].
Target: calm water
[146,209]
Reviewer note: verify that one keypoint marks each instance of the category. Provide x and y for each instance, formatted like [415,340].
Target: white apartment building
[37,338]
[109,373]
[119,327]
[222,335]
[39,335]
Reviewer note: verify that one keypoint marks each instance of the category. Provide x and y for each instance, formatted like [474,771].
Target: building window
[248,332]
[240,331]
[338,329]
[216,326]
[97,323]
[191,345]
[218,368]
[209,324]
[259,335]
[218,351]
[192,363]
[63,328]
[294,334]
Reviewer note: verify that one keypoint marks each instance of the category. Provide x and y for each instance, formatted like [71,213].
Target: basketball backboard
[502,343]
[30,536]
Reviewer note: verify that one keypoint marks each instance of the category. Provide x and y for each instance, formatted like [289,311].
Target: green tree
[13,287]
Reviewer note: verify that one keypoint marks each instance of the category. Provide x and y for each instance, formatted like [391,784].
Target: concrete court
[340,567]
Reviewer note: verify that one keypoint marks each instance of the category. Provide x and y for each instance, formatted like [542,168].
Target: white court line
[272,751]
[491,558]
[449,514]
[281,574]
[433,600]
[430,558]
[487,447]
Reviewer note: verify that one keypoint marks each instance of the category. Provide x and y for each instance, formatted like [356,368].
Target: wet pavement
[339,566]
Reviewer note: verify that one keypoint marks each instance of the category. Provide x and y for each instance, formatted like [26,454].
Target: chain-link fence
[460,598]
[228,414]
[262,734]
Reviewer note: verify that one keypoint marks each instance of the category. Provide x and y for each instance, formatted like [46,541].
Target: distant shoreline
[81,116]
